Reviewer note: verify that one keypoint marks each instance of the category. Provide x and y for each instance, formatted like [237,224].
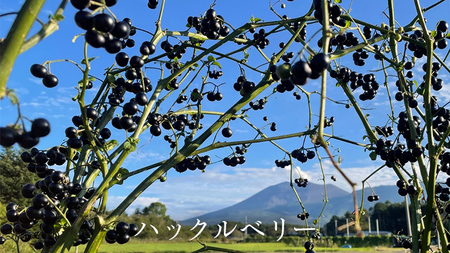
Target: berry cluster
[436,83]
[152,4]
[55,191]
[387,131]
[214,96]
[404,189]
[295,26]
[407,244]
[367,82]
[243,85]
[139,88]
[211,25]
[197,162]
[121,233]
[303,216]
[440,41]
[442,193]
[334,12]
[297,95]
[258,104]
[215,74]
[102,31]
[237,157]
[181,99]
[341,41]
[359,57]
[300,155]
[172,52]
[234,160]
[301,182]
[48,79]
[373,197]
[259,38]
[283,163]
[309,246]
[299,72]
[40,127]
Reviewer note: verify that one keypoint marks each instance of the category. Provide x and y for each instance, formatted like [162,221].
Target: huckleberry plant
[171,85]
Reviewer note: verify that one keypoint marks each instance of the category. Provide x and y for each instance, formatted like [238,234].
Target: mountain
[279,201]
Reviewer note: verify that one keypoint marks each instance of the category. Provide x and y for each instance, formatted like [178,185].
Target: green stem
[326,34]
[98,236]
[372,137]
[432,154]
[10,48]
[47,29]
[189,148]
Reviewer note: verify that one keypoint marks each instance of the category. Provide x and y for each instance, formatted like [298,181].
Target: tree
[130,104]
[391,217]
[155,208]
[13,175]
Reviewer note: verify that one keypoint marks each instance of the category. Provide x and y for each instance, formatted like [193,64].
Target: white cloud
[195,193]
[357,174]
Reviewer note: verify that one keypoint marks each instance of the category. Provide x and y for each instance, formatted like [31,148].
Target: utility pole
[245,233]
[370,227]
[378,229]
[348,230]
[335,227]
[408,218]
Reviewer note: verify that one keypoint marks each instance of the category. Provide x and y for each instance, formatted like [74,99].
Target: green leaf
[246,55]
[433,33]
[88,59]
[109,145]
[13,97]
[315,221]
[338,1]
[211,58]
[217,64]
[254,20]
[58,17]
[373,156]
[421,91]
[348,23]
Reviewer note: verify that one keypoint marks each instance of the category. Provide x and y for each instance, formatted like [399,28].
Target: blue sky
[193,193]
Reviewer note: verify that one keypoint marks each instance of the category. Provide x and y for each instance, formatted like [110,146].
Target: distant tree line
[14,173]
[391,217]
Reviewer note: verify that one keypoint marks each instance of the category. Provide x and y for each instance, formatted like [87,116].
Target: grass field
[180,247]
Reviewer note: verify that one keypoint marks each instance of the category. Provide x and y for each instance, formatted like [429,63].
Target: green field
[179,247]
[244,247]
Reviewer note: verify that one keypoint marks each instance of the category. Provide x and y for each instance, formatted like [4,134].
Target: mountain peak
[279,201]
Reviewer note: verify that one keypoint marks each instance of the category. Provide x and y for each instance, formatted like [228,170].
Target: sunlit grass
[192,246]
